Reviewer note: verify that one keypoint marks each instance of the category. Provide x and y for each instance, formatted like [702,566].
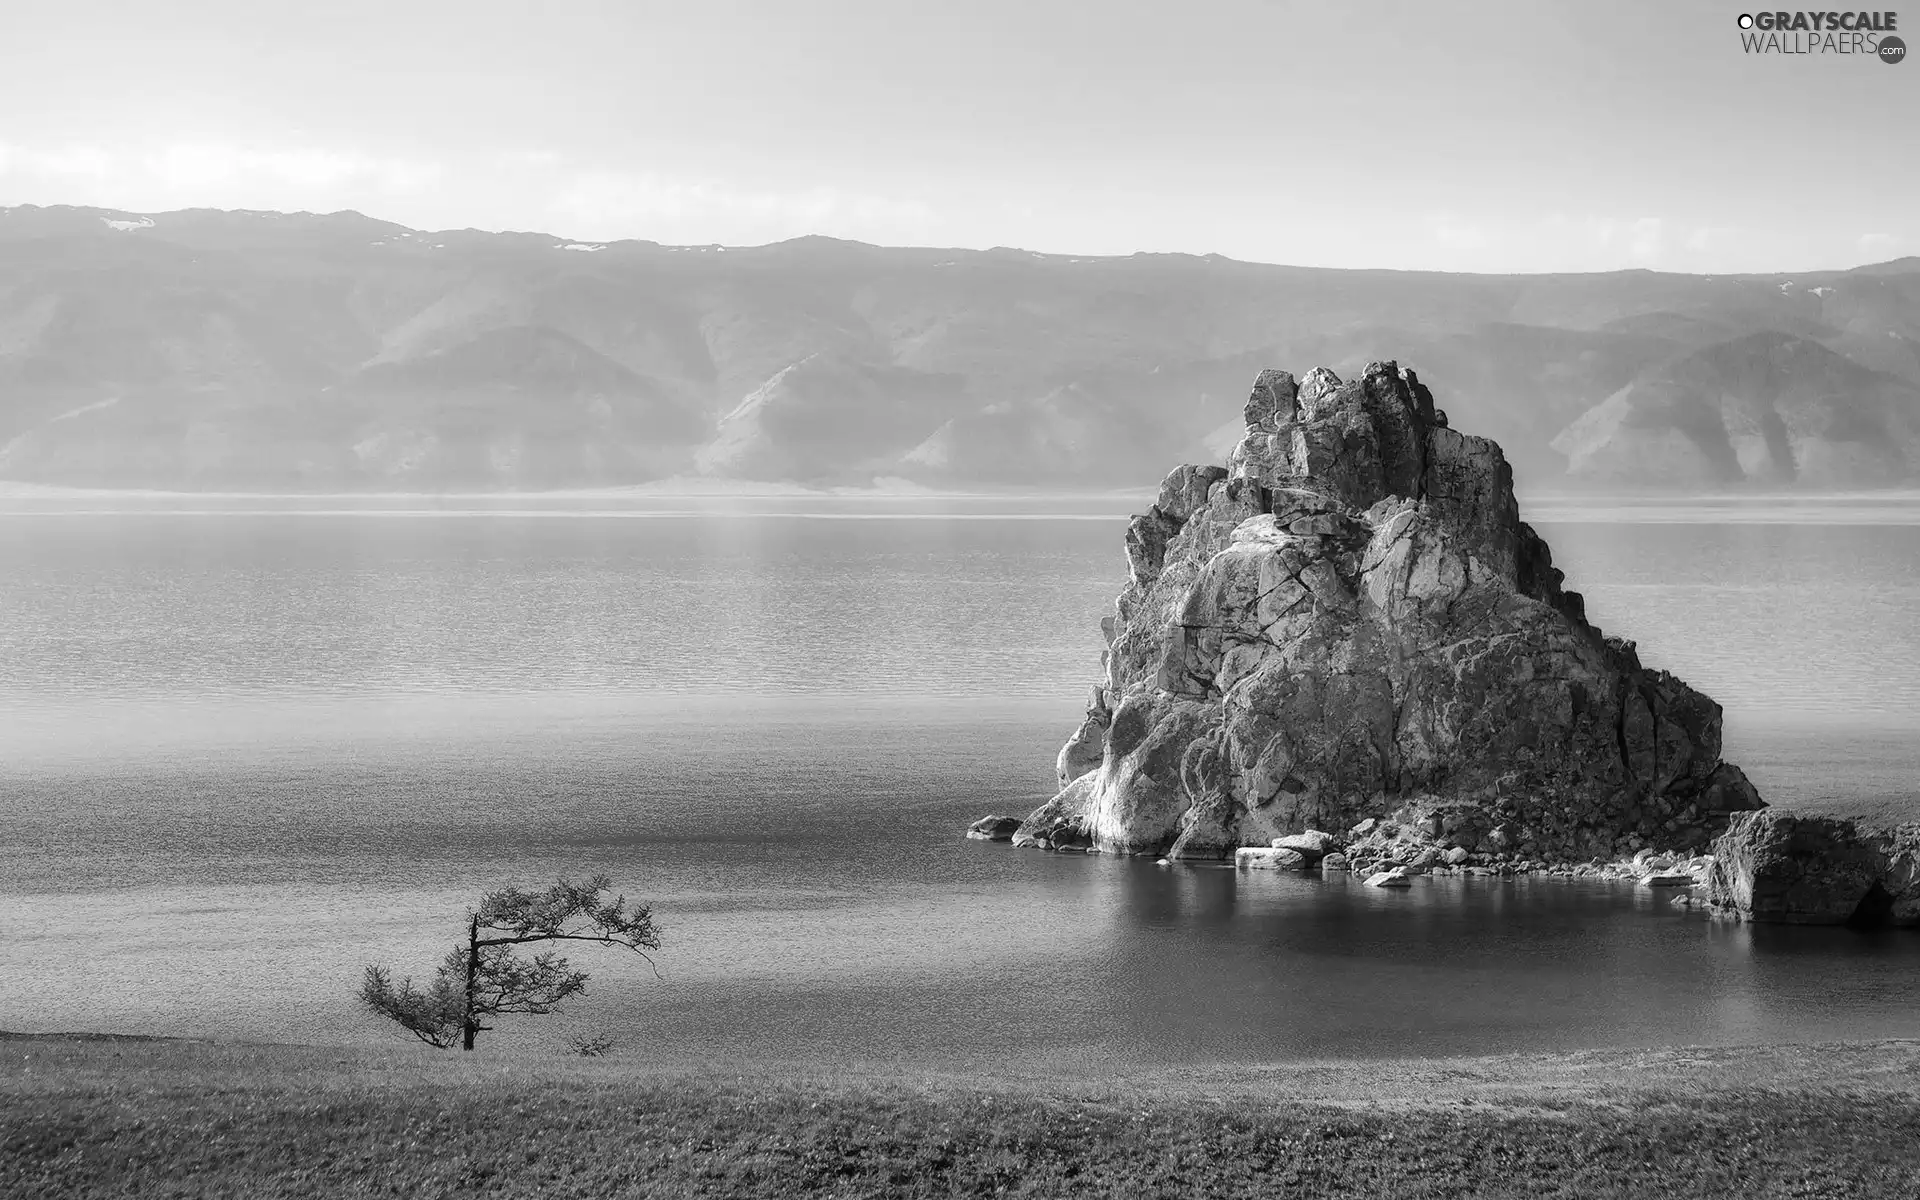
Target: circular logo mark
[1746,20]
[1892,50]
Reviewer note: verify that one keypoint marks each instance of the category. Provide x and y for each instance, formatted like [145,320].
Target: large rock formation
[1349,621]
[1805,869]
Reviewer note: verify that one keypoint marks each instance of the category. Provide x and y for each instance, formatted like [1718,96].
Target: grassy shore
[179,1119]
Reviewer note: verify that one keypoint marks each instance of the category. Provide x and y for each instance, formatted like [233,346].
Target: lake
[247,746]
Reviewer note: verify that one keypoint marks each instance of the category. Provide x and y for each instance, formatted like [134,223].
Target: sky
[1533,135]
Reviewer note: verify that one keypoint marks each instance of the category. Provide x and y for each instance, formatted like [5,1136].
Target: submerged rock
[1798,869]
[1349,627]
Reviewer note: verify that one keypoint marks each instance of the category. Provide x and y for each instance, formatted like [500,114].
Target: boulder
[1805,869]
[1389,879]
[1666,879]
[1649,860]
[994,829]
[1351,619]
[1270,858]
[1312,843]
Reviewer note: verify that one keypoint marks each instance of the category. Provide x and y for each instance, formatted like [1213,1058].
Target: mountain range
[218,350]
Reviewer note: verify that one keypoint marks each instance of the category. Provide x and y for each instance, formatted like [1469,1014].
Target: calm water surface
[247,747]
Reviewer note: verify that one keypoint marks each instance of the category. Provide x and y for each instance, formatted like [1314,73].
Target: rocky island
[1348,627]
[1350,623]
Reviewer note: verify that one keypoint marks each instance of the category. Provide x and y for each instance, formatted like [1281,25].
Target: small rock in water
[1389,879]
[994,829]
[1310,840]
[1334,862]
[1312,843]
[1269,858]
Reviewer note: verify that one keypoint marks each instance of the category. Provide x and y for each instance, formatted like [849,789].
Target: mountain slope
[208,349]
[1766,408]
[522,407]
[828,418]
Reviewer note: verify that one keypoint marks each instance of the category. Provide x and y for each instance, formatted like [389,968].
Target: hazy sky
[1532,135]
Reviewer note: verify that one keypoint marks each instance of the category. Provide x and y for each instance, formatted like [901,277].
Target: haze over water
[247,746]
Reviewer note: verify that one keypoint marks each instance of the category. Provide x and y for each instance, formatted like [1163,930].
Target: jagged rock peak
[1349,621]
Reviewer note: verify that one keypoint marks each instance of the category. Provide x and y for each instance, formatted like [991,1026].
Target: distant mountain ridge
[205,349]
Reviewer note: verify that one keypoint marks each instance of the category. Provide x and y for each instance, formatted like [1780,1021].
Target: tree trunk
[471,1025]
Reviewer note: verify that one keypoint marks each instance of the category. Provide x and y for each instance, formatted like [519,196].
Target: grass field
[179,1119]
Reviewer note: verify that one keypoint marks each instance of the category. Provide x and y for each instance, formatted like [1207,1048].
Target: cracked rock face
[1350,620]
[1806,869]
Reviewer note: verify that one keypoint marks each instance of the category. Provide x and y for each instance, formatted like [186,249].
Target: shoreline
[696,488]
[38,1060]
[735,500]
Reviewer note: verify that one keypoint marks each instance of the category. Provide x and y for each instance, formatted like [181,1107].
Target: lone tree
[486,977]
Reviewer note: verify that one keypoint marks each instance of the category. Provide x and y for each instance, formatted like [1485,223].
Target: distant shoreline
[757,490]
[670,489]
[729,489]
[23,501]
